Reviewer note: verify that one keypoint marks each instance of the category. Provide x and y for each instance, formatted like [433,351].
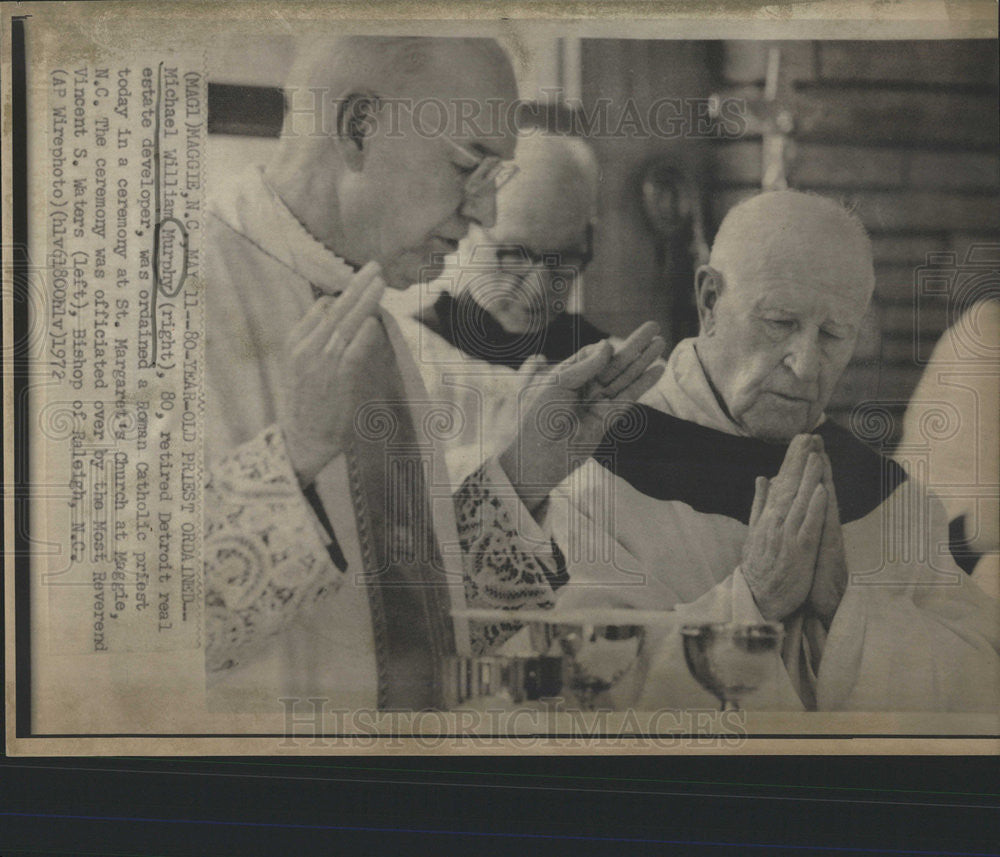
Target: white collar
[686,386]
[255,210]
[685,392]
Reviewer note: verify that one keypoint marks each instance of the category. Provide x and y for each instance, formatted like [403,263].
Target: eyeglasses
[487,171]
[518,256]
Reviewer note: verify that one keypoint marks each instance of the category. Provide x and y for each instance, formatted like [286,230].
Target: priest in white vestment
[961,385]
[731,498]
[306,519]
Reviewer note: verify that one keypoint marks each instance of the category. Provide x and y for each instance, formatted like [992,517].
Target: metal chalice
[732,660]
[581,659]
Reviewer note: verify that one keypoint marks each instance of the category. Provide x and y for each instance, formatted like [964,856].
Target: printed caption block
[120,412]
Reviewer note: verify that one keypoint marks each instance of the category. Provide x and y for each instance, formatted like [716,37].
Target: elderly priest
[732,498]
[511,295]
[501,314]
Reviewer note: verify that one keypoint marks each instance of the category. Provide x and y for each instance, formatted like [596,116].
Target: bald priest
[732,498]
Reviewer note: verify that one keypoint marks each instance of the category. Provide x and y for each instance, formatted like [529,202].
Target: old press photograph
[530,386]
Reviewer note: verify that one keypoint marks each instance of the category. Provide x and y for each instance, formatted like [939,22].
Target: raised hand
[325,357]
[830,578]
[505,406]
[567,416]
[786,524]
[628,364]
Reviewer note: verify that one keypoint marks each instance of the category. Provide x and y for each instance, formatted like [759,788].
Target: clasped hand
[794,552]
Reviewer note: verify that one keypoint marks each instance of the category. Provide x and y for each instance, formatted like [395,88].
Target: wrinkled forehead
[824,293]
[817,255]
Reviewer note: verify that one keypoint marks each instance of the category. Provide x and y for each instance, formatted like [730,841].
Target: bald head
[554,191]
[379,146]
[395,67]
[785,229]
[781,303]
[544,213]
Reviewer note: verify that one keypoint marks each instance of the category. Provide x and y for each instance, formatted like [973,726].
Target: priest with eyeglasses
[335,546]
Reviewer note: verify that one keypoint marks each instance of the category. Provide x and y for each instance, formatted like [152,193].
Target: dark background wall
[626,283]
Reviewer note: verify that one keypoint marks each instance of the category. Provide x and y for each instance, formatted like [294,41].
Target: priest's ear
[357,117]
[707,289]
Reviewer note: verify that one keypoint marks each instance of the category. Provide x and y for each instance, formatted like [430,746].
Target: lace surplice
[267,555]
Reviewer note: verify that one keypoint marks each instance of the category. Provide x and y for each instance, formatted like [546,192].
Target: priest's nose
[481,207]
[804,357]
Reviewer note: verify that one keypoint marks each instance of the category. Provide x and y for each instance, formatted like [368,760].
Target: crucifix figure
[774,115]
